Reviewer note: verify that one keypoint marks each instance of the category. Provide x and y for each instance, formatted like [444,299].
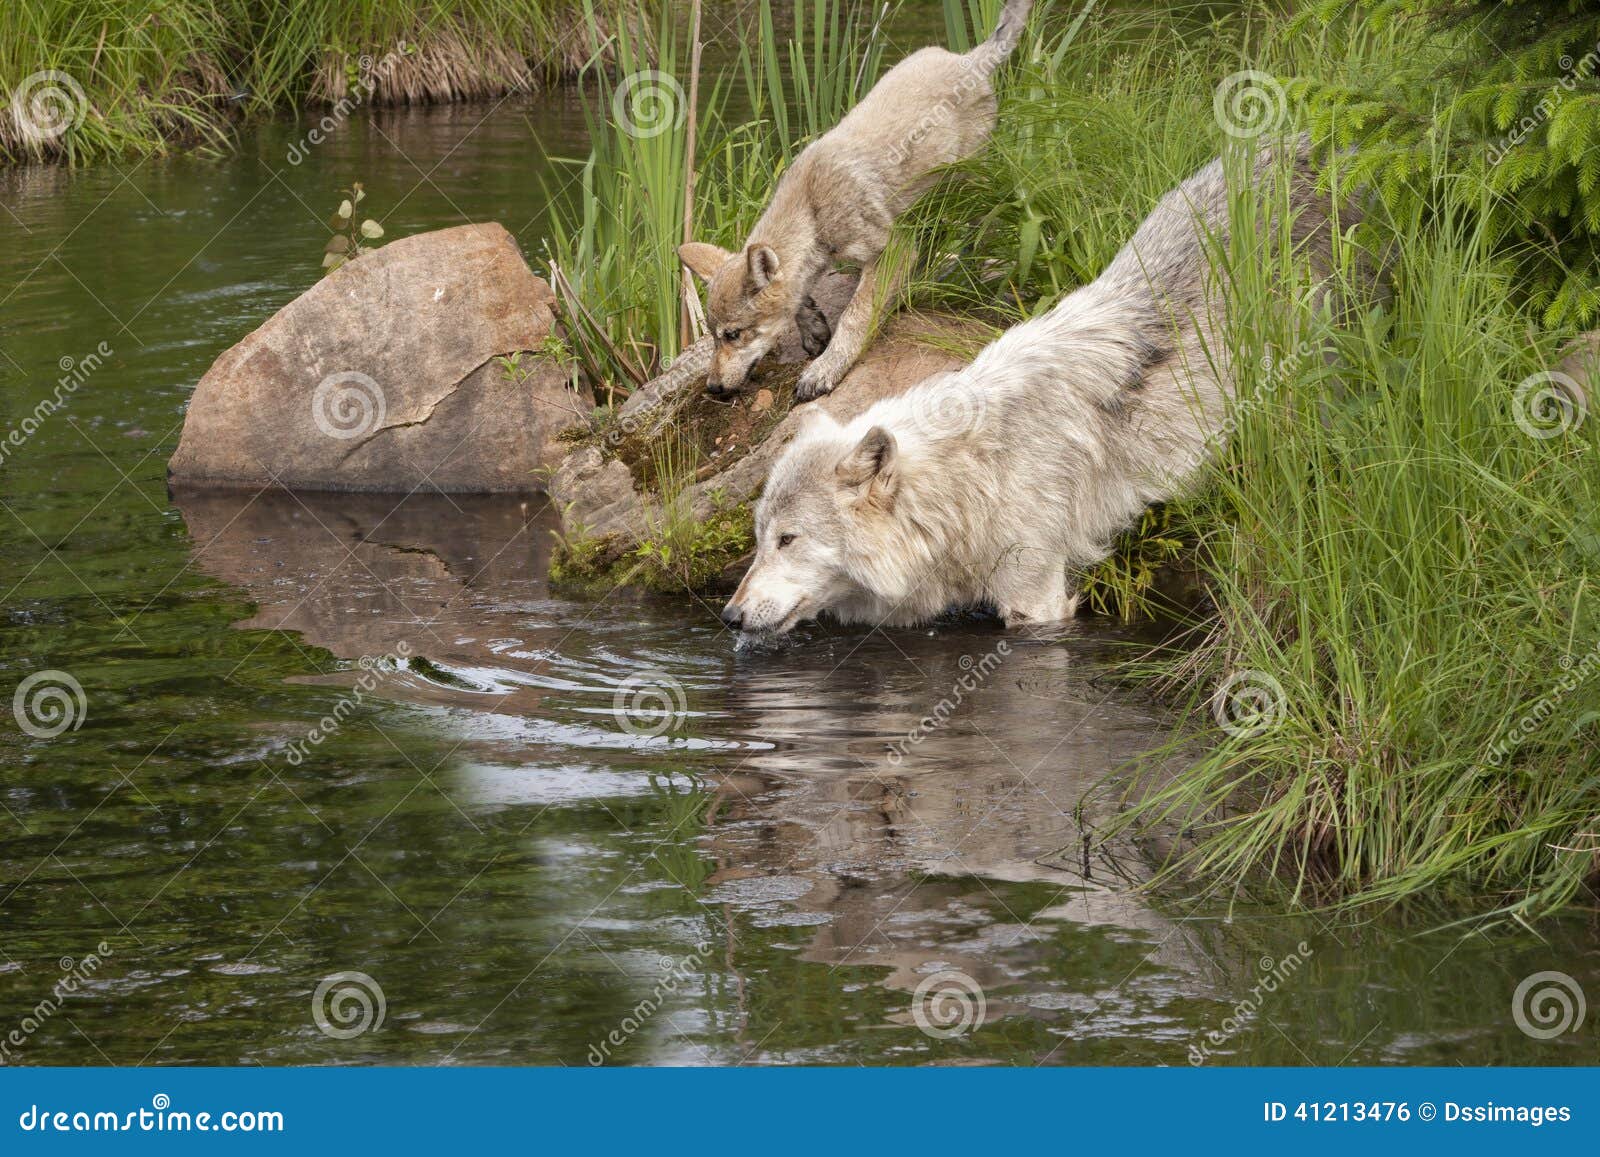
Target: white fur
[993,485]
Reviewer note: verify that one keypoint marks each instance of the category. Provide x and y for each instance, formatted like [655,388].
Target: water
[348,734]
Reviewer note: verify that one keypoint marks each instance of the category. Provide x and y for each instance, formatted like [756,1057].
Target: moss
[581,560]
[693,554]
[690,440]
[699,556]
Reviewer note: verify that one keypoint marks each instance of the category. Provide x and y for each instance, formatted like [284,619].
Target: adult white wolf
[991,485]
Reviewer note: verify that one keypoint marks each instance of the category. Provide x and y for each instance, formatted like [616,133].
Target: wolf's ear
[814,420]
[763,263]
[872,461]
[702,260]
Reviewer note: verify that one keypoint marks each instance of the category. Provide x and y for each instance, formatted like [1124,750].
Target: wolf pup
[988,486]
[837,203]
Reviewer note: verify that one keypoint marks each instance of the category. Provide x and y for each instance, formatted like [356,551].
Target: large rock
[392,374]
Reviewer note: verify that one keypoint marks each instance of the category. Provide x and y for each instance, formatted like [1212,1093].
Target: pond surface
[325,734]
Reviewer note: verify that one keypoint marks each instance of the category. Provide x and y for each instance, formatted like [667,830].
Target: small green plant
[512,368]
[690,553]
[1124,585]
[348,240]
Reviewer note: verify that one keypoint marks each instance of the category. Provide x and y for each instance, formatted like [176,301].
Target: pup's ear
[763,263]
[872,461]
[703,260]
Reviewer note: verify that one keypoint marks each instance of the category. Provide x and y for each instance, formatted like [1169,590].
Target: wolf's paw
[815,332]
[815,381]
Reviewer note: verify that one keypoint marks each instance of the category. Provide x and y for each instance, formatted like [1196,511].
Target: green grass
[1403,571]
[141,79]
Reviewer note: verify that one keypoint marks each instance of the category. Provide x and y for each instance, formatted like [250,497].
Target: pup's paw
[815,381]
[815,332]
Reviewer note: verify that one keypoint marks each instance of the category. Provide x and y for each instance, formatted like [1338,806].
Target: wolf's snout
[733,616]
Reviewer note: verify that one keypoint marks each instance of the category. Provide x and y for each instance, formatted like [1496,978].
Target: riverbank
[121,79]
[1392,677]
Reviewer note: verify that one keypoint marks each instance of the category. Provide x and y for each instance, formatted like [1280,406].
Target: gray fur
[838,202]
[993,485]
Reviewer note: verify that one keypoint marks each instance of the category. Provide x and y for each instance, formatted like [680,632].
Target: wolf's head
[819,521]
[748,307]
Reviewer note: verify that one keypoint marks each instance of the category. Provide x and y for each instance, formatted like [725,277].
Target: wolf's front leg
[849,336]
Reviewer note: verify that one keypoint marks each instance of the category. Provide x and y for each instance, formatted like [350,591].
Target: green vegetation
[85,79]
[1400,679]
[350,239]
[1504,95]
[616,242]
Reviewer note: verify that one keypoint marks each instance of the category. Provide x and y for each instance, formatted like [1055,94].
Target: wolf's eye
[731,334]
[784,540]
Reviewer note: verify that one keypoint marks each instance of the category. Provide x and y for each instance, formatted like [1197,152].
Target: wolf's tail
[1006,36]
